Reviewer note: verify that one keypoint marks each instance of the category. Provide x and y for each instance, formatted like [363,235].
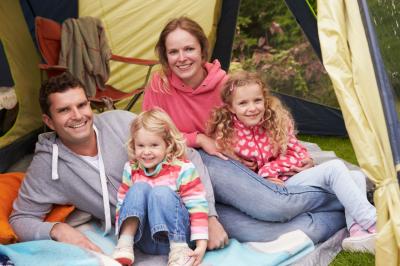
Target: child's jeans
[162,217]
[348,186]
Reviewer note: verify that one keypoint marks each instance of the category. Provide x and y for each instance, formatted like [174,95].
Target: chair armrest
[54,67]
[131,60]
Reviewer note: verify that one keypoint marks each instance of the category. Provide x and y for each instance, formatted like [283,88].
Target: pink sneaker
[360,240]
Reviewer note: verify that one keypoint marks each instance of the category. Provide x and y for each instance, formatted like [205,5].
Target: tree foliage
[269,41]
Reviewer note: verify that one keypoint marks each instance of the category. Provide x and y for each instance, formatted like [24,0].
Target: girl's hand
[276,180]
[209,146]
[252,165]
[306,163]
[199,252]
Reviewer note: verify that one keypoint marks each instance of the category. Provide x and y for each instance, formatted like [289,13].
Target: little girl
[254,127]
[161,201]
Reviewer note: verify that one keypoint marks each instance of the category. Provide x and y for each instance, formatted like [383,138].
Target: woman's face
[184,57]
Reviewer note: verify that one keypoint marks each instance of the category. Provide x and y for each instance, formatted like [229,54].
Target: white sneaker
[124,255]
[362,243]
[179,256]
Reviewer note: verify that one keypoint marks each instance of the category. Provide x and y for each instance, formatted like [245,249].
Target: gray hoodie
[72,180]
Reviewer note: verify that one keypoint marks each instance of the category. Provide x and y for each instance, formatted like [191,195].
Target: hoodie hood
[214,76]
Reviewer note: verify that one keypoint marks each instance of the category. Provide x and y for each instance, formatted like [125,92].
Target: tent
[130,28]
[342,33]
[351,52]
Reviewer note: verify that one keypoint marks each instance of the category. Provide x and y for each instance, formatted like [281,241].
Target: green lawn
[343,149]
[340,145]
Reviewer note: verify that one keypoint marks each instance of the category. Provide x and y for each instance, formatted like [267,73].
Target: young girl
[161,201]
[254,127]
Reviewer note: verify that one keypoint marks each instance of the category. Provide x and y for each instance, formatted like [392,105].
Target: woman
[188,88]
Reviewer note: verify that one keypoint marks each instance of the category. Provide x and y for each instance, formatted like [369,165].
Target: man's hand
[209,146]
[199,252]
[65,233]
[217,237]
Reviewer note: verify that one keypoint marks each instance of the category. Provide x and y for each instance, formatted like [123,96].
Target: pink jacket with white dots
[254,144]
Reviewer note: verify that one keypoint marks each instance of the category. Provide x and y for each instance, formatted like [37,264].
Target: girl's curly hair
[277,119]
[158,122]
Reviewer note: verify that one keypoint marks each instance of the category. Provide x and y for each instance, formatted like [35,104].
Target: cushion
[9,186]
[48,36]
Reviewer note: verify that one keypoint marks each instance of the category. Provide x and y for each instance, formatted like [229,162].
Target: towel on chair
[85,52]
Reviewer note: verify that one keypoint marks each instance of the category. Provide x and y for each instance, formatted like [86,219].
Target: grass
[340,145]
[343,149]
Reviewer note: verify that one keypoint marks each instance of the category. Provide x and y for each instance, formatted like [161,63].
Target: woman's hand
[209,146]
[199,252]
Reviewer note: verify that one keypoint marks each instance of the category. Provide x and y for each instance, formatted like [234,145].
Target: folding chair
[48,36]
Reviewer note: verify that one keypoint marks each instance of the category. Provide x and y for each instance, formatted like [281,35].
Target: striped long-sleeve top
[182,177]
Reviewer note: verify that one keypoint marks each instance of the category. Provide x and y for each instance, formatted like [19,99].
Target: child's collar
[156,170]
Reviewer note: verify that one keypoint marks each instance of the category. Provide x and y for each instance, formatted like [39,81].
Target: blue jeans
[348,186]
[276,206]
[162,217]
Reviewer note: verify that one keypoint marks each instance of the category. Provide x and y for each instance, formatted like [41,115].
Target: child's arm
[193,195]
[198,253]
[282,165]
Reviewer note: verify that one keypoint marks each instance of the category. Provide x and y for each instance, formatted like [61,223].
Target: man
[81,163]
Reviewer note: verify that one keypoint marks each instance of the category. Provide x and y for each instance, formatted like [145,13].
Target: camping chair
[48,36]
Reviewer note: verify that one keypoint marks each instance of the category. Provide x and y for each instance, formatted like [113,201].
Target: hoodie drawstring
[54,163]
[103,180]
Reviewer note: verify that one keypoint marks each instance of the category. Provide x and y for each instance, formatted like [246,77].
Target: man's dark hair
[59,83]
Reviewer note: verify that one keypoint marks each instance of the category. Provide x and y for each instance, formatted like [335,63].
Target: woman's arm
[208,145]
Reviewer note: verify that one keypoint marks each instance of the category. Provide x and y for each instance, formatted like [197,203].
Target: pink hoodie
[189,108]
[254,144]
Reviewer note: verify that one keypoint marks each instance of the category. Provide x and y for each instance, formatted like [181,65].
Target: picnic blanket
[322,255]
[49,252]
[282,251]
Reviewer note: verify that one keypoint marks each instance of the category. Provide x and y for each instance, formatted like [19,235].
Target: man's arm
[34,202]
[217,237]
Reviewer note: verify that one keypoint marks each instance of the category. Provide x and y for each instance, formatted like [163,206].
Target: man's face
[71,117]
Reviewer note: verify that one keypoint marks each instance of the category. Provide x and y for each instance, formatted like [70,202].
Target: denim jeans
[237,186]
[348,186]
[162,217]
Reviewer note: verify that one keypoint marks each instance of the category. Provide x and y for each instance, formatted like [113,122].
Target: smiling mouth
[184,67]
[147,159]
[253,116]
[78,125]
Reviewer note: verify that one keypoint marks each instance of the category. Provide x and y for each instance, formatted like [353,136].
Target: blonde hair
[158,122]
[277,119]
